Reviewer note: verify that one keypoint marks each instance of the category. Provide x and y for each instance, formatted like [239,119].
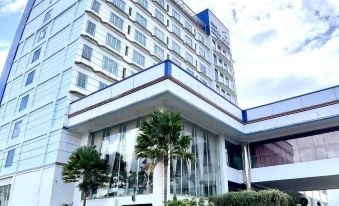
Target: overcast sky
[281,48]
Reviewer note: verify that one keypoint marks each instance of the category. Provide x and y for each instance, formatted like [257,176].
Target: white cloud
[277,41]
[4,44]
[3,56]
[4,48]
[12,6]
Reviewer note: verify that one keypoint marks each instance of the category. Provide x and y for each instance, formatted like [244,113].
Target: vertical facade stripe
[168,68]
[244,116]
[14,47]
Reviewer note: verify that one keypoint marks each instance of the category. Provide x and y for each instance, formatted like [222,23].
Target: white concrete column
[158,184]
[223,165]
[246,159]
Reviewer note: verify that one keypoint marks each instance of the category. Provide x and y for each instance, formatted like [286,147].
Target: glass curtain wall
[199,178]
[116,145]
[202,177]
[309,148]
[4,194]
[233,154]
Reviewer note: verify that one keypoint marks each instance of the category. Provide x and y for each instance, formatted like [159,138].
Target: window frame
[48,16]
[30,78]
[24,103]
[87,52]
[96,6]
[138,58]
[91,28]
[36,55]
[10,158]
[81,81]
[140,38]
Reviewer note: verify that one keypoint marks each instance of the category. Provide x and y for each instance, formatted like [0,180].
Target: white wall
[333,197]
[40,187]
[282,172]
[45,114]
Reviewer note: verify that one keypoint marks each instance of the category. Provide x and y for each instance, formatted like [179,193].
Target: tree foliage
[160,139]
[86,167]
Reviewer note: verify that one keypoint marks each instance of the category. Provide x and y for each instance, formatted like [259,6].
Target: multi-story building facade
[86,71]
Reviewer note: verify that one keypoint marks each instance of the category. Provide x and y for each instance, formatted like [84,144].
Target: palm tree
[160,139]
[86,167]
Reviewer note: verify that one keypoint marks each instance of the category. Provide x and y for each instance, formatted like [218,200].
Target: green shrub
[176,202]
[252,198]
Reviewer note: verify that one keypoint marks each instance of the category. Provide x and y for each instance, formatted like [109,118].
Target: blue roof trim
[168,68]
[14,47]
[204,16]
[244,116]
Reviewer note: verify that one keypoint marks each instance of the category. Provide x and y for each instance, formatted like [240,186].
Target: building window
[113,42]
[227,81]
[161,3]
[159,16]
[190,71]
[175,47]
[16,129]
[82,80]
[188,41]
[218,88]
[176,62]
[201,38]
[138,58]
[140,38]
[116,20]
[102,86]
[42,34]
[5,191]
[120,4]
[216,75]
[203,81]
[36,55]
[159,51]
[87,52]
[202,52]
[23,103]
[48,16]
[188,26]
[96,6]
[203,68]
[189,57]
[30,78]
[176,15]
[159,34]
[225,66]
[143,3]
[110,65]
[90,28]
[222,78]
[215,59]
[10,158]
[176,30]
[141,20]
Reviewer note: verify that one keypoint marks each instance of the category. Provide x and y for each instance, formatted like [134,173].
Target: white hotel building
[85,72]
